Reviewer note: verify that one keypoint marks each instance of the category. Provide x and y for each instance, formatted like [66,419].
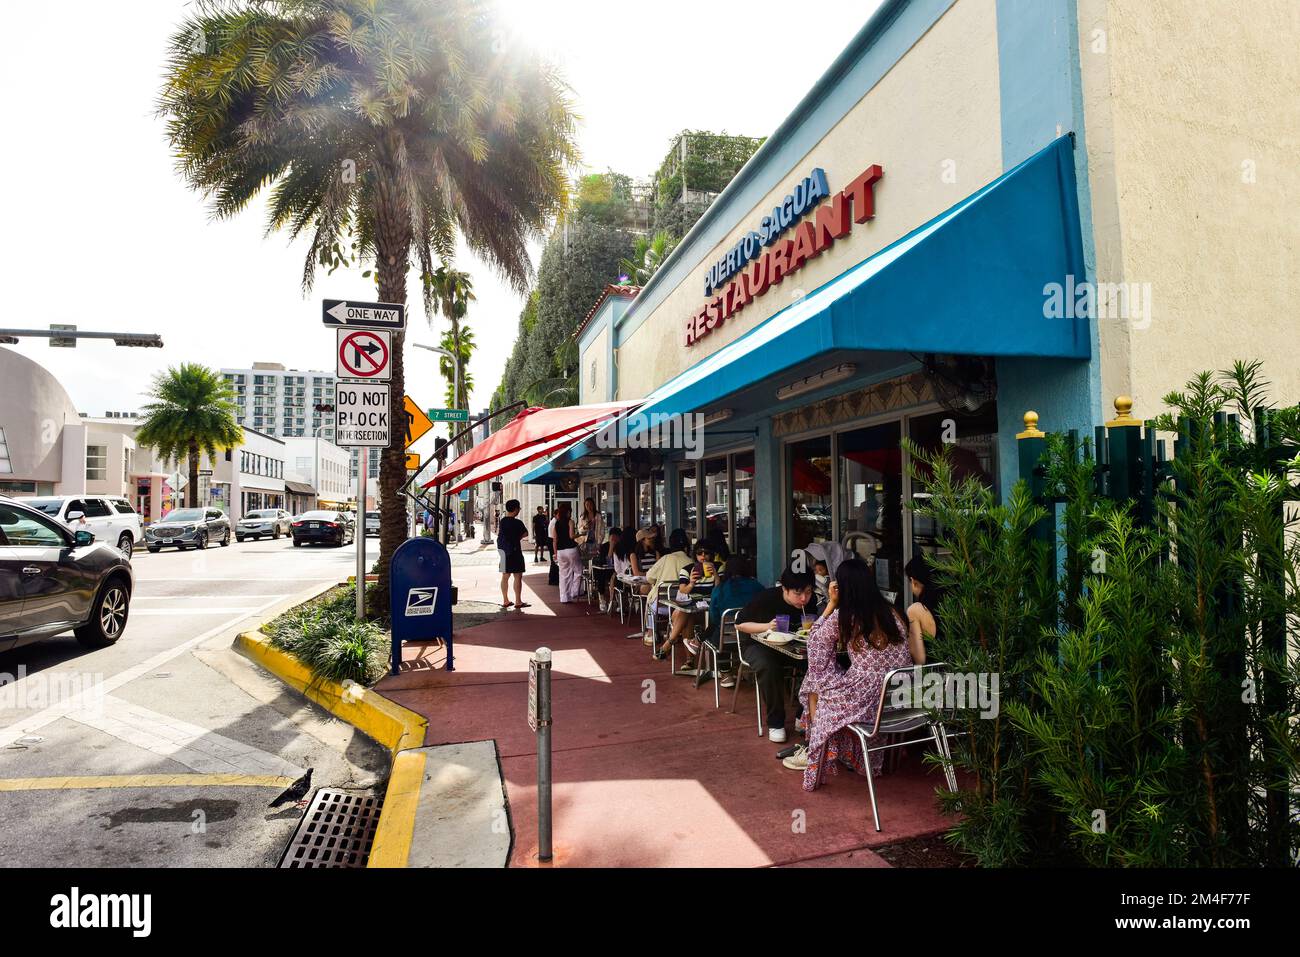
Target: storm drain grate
[336,831]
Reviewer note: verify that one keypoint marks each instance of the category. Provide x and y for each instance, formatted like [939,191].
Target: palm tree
[381,129]
[193,411]
[452,291]
[467,347]
[648,254]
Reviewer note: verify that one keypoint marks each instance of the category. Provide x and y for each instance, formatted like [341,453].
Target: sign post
[539,720]
[363,357]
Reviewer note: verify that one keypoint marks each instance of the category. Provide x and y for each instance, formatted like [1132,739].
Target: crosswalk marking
[196,747]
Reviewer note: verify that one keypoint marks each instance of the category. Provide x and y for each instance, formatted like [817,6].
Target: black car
[54,579]
[189,528]
[331,528]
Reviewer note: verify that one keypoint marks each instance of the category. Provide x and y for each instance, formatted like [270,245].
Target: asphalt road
[172,698]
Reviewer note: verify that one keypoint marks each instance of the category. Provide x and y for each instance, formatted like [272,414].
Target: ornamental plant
[1150,703]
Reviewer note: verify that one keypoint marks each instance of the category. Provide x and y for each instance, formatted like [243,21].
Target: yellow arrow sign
[412,461]
[417,423]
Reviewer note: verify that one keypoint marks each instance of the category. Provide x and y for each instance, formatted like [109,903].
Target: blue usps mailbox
[420,595]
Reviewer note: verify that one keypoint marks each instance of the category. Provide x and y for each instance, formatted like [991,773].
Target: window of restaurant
[688,506]
[717,498]
[808,480]
[851,486]
[974,443]
[650,499]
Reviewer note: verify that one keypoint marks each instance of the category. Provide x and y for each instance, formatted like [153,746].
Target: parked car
[54,579]
[335,528]
[189,528]
[271,522]
[111,518]
[372,523]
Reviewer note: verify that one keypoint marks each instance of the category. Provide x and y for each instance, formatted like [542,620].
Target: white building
[246,478]
[322,465]
[282,402]
[48,448]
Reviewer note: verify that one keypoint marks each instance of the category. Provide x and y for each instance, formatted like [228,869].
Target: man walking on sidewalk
[510,534]
[541,537]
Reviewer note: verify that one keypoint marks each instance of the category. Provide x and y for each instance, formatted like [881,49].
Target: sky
[102,233]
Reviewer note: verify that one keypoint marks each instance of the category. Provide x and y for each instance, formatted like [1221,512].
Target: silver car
[372,523]
[189,528]
[266,522]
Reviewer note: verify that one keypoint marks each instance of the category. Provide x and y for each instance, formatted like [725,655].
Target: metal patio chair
[726,642]
[894,722]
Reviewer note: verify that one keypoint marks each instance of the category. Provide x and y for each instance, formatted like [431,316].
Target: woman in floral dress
[858,640]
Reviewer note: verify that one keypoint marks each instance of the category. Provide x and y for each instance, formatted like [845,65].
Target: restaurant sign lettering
[763,257]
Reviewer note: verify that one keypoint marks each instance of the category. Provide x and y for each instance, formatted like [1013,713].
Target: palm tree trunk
[462,402]
[192,493]
[392,255]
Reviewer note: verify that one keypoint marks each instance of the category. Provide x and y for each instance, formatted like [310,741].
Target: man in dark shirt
[790,597]
[541,541]
[510,533]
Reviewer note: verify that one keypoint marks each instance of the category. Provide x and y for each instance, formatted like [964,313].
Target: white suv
[110,518]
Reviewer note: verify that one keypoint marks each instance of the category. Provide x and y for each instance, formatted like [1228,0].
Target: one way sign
[363,315]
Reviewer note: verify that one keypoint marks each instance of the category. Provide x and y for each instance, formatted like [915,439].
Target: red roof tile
[625,292]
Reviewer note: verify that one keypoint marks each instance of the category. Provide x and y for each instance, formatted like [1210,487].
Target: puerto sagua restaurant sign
[801,228]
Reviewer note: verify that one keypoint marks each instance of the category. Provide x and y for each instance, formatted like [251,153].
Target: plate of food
[778,638]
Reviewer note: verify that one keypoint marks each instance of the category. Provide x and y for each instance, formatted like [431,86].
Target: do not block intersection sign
[362,418]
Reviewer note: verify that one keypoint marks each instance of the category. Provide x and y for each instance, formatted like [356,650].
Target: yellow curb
[396,828]
[97,782]
[390,724]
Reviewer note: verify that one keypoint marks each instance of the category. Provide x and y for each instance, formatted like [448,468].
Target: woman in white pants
[567,555]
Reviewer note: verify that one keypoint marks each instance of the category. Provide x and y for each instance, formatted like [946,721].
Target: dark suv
[53,579]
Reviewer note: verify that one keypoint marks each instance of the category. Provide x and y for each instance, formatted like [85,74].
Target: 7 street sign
[449,415]
[363,315]
[364,354]
[362,419]
[417,423]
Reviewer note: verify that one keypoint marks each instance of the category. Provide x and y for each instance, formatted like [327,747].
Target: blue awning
[970,281]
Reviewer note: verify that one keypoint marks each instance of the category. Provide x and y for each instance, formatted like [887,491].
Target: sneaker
[692,646]
[645,639]
[604,607]
[776,734]
[729,681]
[688,671]
[799,760]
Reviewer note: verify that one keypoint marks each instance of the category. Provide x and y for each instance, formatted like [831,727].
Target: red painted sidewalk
[647,773]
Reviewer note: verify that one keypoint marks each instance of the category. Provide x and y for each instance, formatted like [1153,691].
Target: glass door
[688,507]
[808,484]
[744,514]
[870,467]
[717,499]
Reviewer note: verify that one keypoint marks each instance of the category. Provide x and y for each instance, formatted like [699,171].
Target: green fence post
[1124,444]
[1031,446]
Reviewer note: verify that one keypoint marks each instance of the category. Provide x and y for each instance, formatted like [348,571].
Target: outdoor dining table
[789,644]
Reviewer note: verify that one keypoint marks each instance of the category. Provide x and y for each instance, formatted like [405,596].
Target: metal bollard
[539,719]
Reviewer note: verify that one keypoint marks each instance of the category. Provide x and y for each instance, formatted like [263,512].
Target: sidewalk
[647,772]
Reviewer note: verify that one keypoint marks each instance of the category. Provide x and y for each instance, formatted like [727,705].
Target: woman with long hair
[567,556]
[923,613]
[857,641]
[591,527]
